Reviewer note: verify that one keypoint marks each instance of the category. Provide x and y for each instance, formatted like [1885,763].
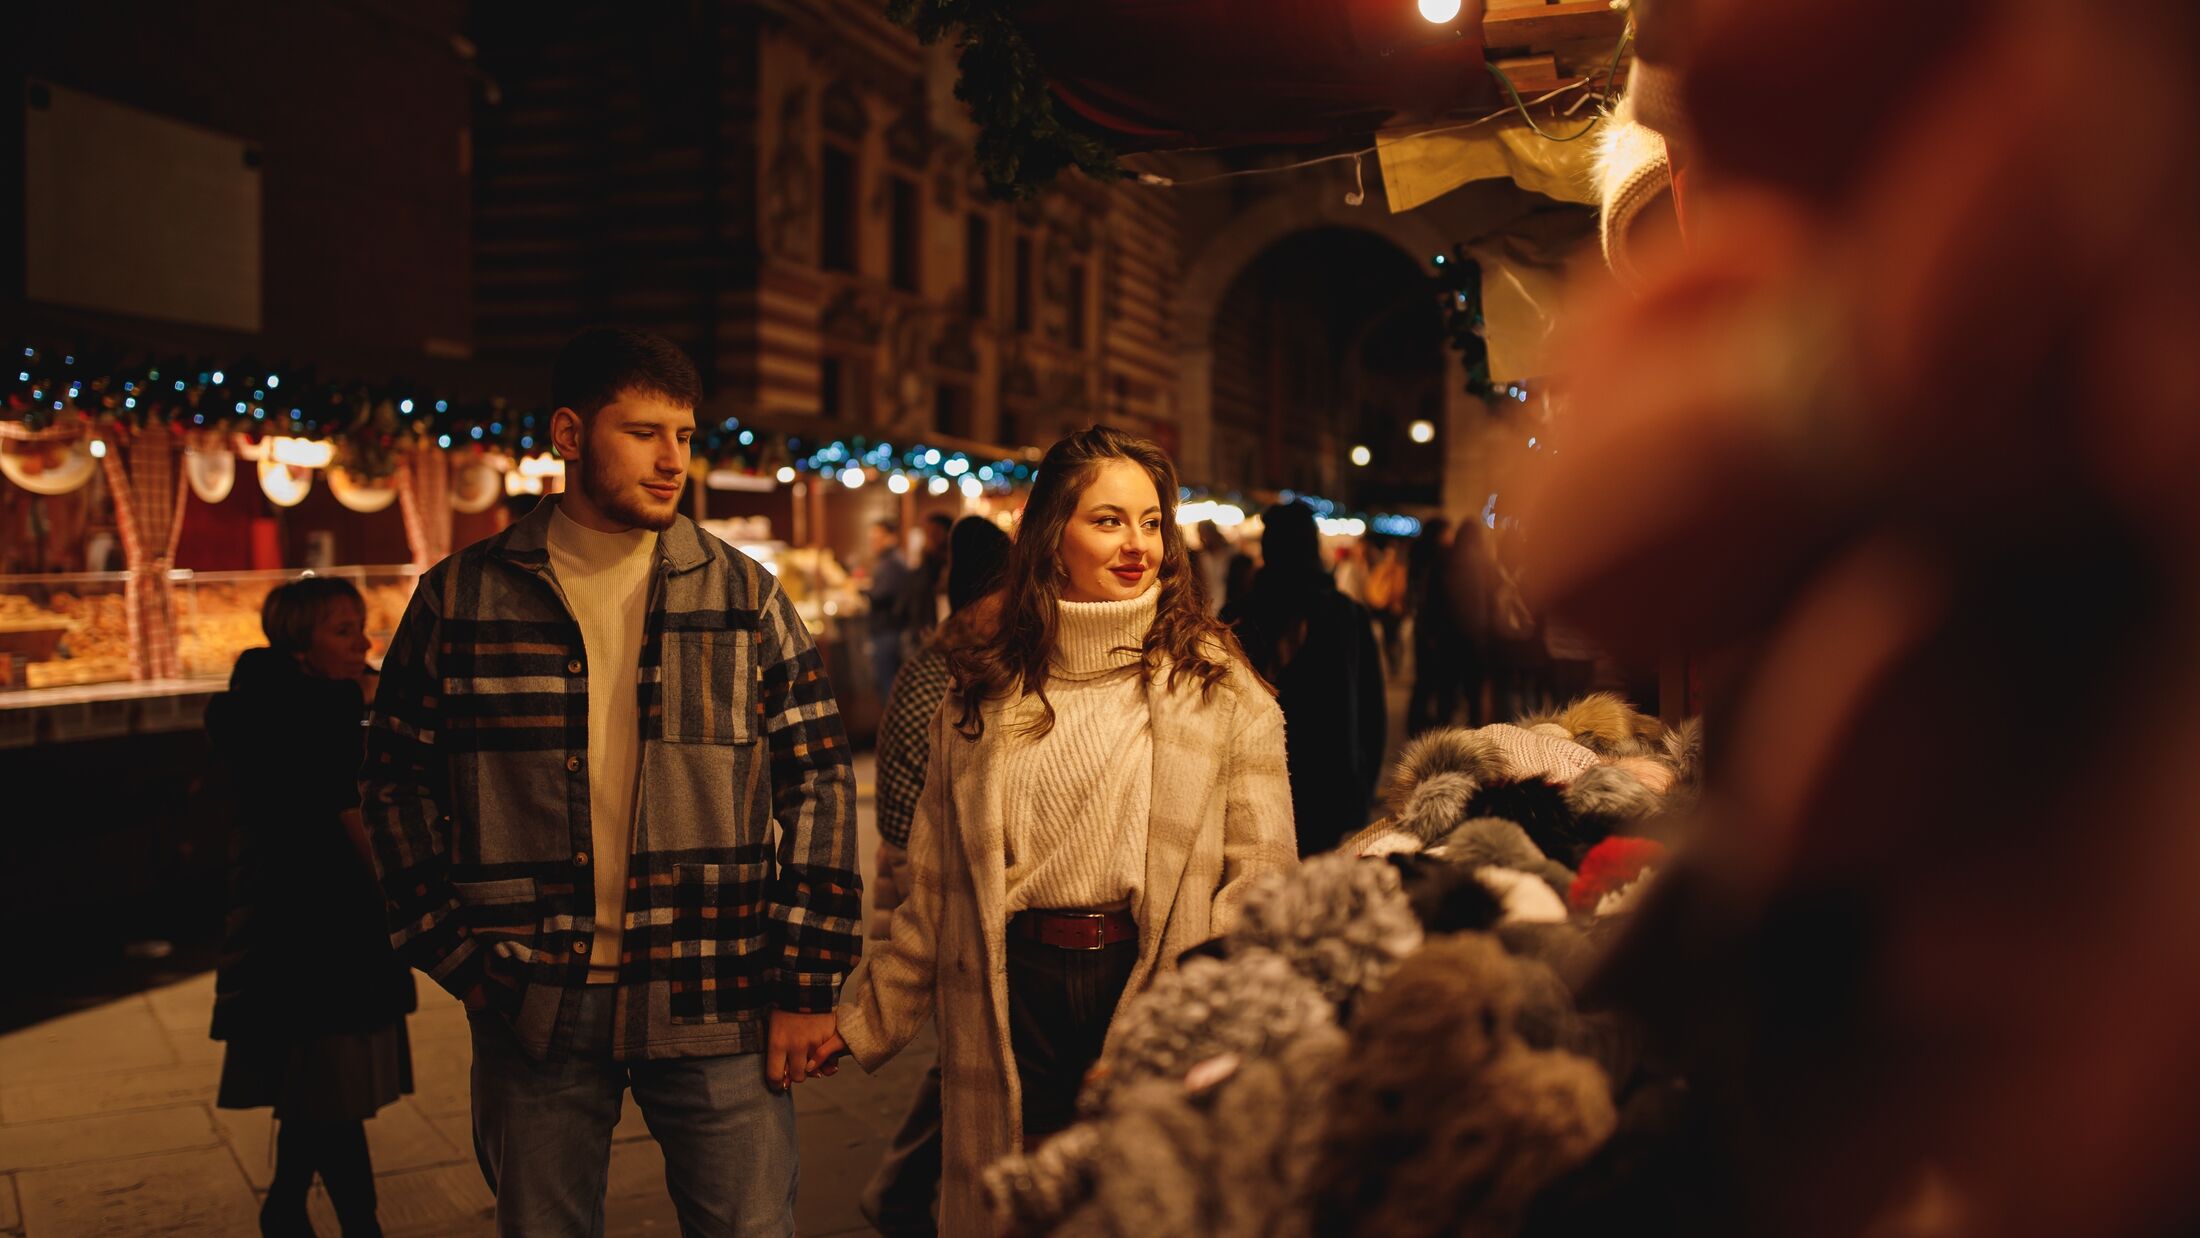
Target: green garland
[372,426]
[1459,283]
[1022,143]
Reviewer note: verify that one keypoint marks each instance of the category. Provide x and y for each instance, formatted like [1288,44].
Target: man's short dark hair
[602,363]
[941,520]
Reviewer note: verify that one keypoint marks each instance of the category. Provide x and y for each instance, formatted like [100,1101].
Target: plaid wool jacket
[476,795]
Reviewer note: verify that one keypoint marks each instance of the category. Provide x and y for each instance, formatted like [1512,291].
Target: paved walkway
[108,1128]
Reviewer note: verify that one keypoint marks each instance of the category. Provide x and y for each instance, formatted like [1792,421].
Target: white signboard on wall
[132,213]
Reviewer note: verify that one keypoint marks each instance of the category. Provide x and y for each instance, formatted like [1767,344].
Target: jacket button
[572,763]
[573,667]
[581,946]
[580,859]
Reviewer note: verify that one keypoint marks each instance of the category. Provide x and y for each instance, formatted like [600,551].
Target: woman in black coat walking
[309,996]
[1318,648]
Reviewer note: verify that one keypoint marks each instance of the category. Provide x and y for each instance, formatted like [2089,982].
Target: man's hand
[794,1044]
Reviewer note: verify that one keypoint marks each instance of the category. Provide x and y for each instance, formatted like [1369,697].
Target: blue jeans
[542,1131]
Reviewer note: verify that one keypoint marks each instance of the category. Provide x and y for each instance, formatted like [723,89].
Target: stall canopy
[1166,75]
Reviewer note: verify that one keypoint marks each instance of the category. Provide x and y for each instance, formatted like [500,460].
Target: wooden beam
[1544,24]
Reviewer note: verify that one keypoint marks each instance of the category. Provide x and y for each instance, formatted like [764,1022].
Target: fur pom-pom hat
[1494,840]
[1229,1153]
[1341,922]
[1443,1121]
[1605,724]
[1247,1004]
[1436,774]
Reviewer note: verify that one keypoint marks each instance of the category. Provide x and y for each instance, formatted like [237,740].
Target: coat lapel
[1187,762]
[980,814]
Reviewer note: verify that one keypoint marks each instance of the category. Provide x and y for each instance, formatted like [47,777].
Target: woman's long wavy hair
[1011,645]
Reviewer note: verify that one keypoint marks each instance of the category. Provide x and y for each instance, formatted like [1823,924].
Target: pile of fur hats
[1389,1042]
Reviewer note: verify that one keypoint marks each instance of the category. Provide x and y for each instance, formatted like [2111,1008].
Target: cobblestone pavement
[108,1128]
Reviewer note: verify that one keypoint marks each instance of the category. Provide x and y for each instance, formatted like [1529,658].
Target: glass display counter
[65,647]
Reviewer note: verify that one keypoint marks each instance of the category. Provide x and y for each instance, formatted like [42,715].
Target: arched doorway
[1329,339]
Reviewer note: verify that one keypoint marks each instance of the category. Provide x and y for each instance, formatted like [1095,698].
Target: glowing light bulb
[1422,431]
[852,478]
[1438,12]
[898,484]
[1362,456]
[785,474]
[939,485]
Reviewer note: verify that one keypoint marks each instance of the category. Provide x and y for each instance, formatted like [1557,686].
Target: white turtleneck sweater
[605,578]
[1078,796]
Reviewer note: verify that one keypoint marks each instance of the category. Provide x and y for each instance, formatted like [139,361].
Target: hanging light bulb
[852,477]
[1439,12]
[898,483]
[1361,455]
[1422,431]
[972,487]
[785,474]
[939,485]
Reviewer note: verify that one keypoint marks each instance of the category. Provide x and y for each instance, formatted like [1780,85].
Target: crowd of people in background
[1334,624]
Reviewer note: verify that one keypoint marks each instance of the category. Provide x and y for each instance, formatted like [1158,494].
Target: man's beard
[623,504]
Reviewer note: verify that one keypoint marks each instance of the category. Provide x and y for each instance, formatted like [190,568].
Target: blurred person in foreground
[1318,648]
[1899,447]
[899,1197]
[309,996]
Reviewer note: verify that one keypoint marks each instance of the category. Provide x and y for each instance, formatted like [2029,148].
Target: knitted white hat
[1633,168]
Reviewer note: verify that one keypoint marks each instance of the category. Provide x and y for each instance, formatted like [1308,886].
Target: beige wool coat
[1220,819]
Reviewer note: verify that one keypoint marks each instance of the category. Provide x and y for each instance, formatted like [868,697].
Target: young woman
[1106,778]
[309,995]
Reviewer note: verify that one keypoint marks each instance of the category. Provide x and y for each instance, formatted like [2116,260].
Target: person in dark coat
[1318,648]
[309,996]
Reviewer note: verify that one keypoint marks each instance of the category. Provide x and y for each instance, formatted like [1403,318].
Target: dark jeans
[1059,1004]
[542,1131]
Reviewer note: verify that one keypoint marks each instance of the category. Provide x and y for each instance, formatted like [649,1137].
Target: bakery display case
[218,613]
[63,630]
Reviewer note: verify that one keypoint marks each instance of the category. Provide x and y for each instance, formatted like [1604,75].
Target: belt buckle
[1095,927]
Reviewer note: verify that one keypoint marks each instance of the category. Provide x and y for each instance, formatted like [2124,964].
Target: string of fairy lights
[367,426]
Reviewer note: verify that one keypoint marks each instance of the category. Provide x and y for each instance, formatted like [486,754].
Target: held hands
[801,1045]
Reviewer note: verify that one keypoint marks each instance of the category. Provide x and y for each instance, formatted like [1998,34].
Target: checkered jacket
[476,794]
[905,741]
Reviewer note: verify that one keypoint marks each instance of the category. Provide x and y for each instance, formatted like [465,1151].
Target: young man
[587,728]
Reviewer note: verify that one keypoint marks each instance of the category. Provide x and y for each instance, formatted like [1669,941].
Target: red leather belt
[1075,930]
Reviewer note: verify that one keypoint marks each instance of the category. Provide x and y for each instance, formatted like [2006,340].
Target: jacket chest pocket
[718,938]
[707,687]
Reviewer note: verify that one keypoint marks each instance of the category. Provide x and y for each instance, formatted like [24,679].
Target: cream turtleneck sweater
[1078,796]
[605,578]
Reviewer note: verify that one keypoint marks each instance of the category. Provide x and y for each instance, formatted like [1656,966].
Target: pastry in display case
[218,613]
[64,630]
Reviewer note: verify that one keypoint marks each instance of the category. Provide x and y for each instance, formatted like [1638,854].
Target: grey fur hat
[1245,1004]
[1436,775]
[1232,1159]
[1497,842]
[1341,922]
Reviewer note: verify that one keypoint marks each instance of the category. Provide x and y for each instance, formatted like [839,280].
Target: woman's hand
[794,1049]
[825,1063]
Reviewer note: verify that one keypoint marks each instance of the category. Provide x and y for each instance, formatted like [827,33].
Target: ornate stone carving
[790,191]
